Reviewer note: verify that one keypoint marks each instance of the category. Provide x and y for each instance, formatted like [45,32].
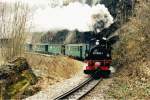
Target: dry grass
[53,68]
[132,81]
[1,59]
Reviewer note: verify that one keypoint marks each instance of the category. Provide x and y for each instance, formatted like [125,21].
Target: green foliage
[29,76]
[14,89]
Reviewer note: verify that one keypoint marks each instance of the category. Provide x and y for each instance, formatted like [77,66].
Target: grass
[53,69]
[130,84]
[132,81]
[1,58]
[18,87]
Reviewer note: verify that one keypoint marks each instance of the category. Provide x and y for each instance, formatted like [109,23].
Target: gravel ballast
[98,93]
[59,88]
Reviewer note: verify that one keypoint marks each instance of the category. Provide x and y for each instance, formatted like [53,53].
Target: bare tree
[13,29]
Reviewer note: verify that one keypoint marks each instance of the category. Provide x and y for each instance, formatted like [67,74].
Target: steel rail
[77,88]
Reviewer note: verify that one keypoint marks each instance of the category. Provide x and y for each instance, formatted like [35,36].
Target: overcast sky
[73,16]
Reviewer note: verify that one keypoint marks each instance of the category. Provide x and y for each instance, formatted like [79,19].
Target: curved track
[79,91]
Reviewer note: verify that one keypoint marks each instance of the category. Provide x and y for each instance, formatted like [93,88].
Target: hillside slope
[133,57]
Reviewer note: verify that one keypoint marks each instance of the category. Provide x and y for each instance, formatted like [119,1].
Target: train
[77,51]
[96,56]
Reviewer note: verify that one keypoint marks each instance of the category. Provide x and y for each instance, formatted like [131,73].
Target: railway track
[79,91]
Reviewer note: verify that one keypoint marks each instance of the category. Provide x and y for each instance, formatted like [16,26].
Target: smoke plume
[75,16]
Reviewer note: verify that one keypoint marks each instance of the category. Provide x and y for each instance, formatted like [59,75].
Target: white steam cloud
[74,16]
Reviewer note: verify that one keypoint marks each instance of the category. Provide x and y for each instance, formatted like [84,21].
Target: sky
[73,16]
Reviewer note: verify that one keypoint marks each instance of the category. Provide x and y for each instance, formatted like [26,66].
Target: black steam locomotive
[98,58]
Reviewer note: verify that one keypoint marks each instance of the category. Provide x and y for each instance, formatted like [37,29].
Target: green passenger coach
[76,50]
[73,50]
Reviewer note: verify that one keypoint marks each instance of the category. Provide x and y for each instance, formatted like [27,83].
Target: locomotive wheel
[101,74]
[96,74]
[105,74]
[89,71]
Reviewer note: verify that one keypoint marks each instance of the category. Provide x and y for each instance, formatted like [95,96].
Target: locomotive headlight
[97,42]
[98,30]
[108,55]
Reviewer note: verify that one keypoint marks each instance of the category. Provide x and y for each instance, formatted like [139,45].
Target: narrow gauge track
[79,91]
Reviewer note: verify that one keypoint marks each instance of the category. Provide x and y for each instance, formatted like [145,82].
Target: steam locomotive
[98,59]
